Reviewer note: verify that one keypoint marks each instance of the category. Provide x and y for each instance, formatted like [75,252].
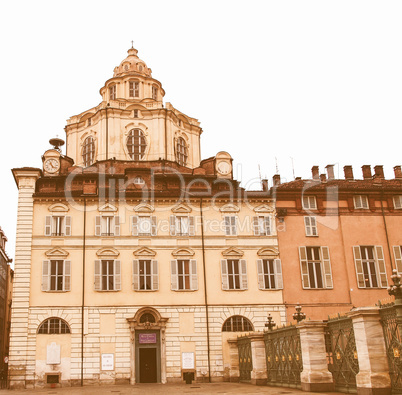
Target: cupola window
[112,92]
[134,89]
[154,93]
[181,151]
[88,151]
[136,144]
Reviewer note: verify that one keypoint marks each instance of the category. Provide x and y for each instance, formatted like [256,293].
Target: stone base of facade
[373,391]
[318,387]
[258,381]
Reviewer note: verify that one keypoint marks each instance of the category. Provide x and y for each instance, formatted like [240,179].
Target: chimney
[323,178]
[379,172]
[398,172]
[348,170]
[315,171]
[264,185]
[276,180]
[330,172]
[367,172]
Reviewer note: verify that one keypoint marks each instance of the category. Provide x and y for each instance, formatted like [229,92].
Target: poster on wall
[187,360]
[107,361]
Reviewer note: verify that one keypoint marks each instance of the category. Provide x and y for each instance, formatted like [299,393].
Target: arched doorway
[148,347]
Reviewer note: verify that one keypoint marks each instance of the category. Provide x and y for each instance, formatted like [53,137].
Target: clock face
[224,168]
[51,165]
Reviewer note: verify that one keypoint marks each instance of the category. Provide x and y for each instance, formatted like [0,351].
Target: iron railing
[245,358]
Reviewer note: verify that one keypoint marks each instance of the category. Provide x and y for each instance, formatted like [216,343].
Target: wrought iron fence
[342,353]
[283,357]
[393,344]
[245,358]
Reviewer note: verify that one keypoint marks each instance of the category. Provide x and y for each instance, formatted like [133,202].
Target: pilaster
[259,372]
[234,373]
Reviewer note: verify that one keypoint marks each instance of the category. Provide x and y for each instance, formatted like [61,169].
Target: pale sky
[316,81]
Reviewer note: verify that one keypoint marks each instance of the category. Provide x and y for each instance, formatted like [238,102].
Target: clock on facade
[224,168]
[51,165]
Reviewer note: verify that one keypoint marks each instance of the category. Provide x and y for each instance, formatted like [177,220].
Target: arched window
[136,144]
[237,323]
[88,151]
[181,151]
[53,326]
[147,317]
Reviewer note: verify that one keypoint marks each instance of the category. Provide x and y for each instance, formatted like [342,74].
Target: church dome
[132,64]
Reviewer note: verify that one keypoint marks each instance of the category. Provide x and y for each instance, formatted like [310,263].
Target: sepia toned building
[136,260]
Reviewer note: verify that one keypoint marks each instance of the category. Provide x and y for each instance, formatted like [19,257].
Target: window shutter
[155,275]
[45,275]
[97,282]
[48,225]
[359,267]
[227,225]
[173,275]
[117,225]
[224,272]
[134,225]
[173,225]
[260,271]
[153,225]
[278,274]
[98,225]
[256,227]
[191,226]
[235,225]
[327,267]
[193,272]
[136,271]
[117,274]
[313,224]
[67,225]
[267,222]
[303,267]
[67,276]
[381,266]
[243,273]
[307,226]
[398,258]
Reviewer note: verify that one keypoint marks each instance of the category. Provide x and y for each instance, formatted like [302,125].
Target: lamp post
[299,315]
[271,323]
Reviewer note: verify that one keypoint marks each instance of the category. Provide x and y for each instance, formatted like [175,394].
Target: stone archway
[147,319]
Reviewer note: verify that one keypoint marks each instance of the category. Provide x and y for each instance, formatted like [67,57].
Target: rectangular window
[112,92]
[56,275]
[370,267]
[398,258]
[135,114]
[230,223]
[269,274]
[310,224]
[58,225]
[143,225]
[145,275]
[107,275]
[315,267]
[134,89]
[234,274]
[154,93]
[261,226]
[182,225]
[309,203]
[361,201]
[107,225]
[398,202]
[184,275]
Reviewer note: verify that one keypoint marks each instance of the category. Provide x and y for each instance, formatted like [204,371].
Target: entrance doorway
[148,365]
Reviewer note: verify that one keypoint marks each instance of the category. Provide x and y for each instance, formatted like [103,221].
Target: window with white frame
[309,202]
[107,275]
[145,275]
[370,267]
[112,92]
[143,225]
[107,225]
[58,225]
[398,202]
[262,225]
[398,258]
[134,89]
[310,225]
[237,323]
[184,275]
[181,151]
[56,275]
[230,224]
[315,267]
[182,225]
[53,326]
[361,201]
[234,274]
[88,151]
[136,144]
[269,274]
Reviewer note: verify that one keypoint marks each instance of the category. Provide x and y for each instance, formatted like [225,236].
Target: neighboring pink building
[339,240]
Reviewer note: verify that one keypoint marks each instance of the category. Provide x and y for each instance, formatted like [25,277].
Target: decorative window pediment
[108,252]
[183,252]
[57,253]
[58,207]
[263,208]
[181,208]
[229,208]
[144,208]
[144,252]
[232,252]
[107,208]
[268,252]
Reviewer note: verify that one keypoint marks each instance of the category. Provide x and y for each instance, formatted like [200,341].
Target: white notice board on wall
[187,360]
[107,361]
